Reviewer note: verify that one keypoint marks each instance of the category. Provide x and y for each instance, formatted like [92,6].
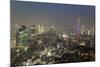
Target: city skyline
[51,33]
[64,15]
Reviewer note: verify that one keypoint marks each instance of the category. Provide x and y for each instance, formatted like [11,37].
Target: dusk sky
[55,14]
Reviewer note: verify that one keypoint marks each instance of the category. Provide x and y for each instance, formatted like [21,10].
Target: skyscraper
[78,28]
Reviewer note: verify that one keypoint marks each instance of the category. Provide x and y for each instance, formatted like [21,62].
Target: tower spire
[78,19]
[78,25]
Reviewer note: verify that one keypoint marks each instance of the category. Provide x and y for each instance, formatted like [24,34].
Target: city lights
[45,33]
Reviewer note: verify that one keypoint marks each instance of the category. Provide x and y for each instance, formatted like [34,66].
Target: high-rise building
[40,29]
[33,30]
[82,29]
